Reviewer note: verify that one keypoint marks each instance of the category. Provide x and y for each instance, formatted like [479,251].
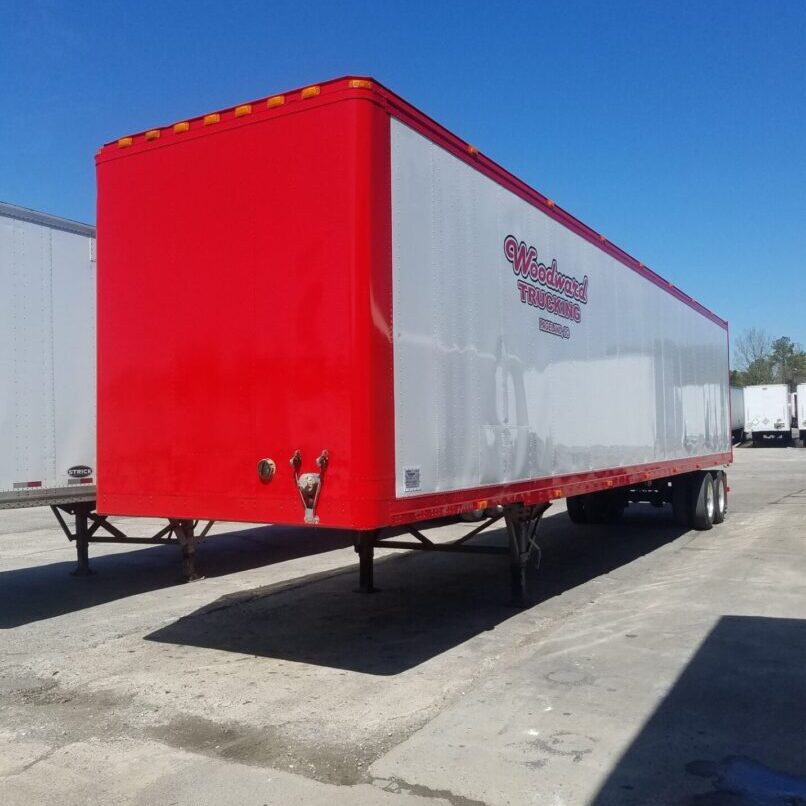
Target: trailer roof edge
[46,219]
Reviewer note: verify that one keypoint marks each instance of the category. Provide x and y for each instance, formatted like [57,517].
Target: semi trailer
[737,413]
[47,360]
[801,412]
[769,413]
[321,308]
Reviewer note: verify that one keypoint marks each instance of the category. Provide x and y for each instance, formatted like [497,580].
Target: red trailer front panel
[243,312]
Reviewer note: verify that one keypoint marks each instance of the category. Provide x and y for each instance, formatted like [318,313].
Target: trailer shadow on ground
[45,591]
[730,732]
[427,604]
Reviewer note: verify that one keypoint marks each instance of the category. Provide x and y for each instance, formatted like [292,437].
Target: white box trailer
[768,413]
[47,359]
[737,413]
[800,411]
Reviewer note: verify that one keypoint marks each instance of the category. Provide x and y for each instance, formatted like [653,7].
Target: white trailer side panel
[767,409]
[483,395]
[736,408]
[800,403]
[47,359]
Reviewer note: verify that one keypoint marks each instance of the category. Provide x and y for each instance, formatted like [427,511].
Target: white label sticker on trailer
[523,351]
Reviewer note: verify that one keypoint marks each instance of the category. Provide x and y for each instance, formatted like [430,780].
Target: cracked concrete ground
[651,658]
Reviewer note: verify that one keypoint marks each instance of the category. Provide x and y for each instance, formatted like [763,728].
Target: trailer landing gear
[89,525]
[521,522]
[365,548]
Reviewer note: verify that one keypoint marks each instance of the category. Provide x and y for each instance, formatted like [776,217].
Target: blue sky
[678,129]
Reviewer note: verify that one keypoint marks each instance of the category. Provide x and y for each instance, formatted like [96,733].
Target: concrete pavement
[651,661]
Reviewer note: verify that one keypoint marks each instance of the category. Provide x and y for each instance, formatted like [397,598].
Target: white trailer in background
[47,359]
[47,376]
[801,411]
[737,413]
[768,413]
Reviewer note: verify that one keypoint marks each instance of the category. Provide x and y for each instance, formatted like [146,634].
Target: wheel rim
[709,500]
[720,496]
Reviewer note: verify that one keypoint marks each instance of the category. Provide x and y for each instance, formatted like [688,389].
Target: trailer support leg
[183,529]
[522,522]
[365,548]
[82,537]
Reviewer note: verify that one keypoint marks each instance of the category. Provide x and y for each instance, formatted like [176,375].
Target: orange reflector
[277,100]
[602,238]
[360,84]
[310,92]
[480,504]
[557,493]
[125,142]
[212,118]
[154,134]
[549,202]
[181,127]
[472,150]
[609,483]
[242,110]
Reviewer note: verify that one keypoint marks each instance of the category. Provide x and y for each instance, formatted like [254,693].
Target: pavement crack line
[25,767]
[397,786]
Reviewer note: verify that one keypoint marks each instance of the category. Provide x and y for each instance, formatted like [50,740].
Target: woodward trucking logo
[546,287]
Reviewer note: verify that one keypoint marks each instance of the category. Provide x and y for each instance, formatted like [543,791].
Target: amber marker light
[181,127]
[154,134]
[212,118]
[310,92]
[125,142]
[244,109]
[360,84]
[276,100]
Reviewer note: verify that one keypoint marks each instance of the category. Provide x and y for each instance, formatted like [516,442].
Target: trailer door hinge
[310,485]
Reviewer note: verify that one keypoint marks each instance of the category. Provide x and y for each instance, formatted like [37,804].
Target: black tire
[576,508]
[702,502]
[720,497]
[681,501]
[603,507]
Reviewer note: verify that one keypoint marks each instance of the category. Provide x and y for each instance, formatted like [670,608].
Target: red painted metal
[245,309]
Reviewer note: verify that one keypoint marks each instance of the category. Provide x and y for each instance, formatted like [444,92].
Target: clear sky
[675,127]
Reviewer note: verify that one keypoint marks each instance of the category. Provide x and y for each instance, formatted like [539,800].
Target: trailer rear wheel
[720,497]
[703,501]
[603,507]
[576,508]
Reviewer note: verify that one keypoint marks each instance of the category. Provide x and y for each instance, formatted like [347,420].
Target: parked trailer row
[337,313]
[771,413]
